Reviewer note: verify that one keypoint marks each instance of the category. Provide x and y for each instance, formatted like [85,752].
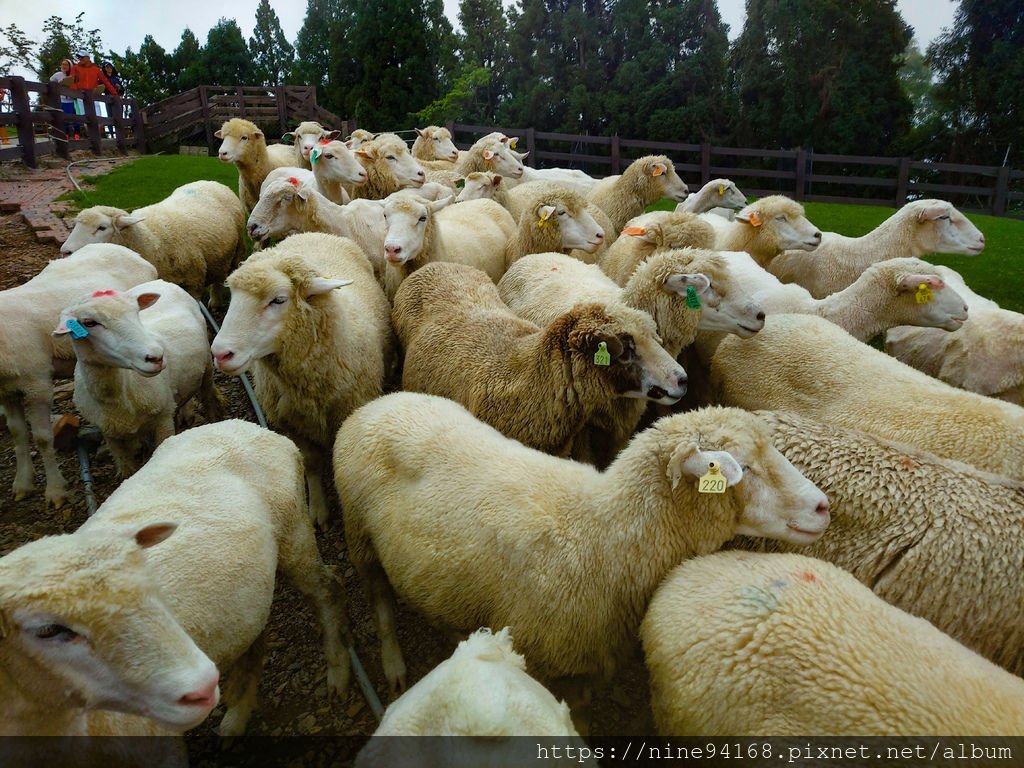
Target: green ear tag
[692,300]
[602,356]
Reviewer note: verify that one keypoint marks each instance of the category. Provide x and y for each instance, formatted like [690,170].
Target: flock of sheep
[527,479]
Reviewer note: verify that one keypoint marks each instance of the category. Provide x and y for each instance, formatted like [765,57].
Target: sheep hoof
[22,493]
[56,499]
[233,724]
[337,680]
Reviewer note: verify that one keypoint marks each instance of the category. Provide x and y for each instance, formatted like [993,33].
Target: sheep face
[730,308]
[116,336]
[439,140]
[409,226]
[662,170]
[98,224]
[337,163]
[499,158]
[786,222]
[945,230]
[278,211]
[945,308]
[578,228]
[264,297]
[307,135]
[728,194]
[478,185]
[774,500]
[238,137]
[83,625]
[399,161]
[639,366]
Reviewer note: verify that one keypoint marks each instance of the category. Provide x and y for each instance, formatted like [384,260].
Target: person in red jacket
[86,76]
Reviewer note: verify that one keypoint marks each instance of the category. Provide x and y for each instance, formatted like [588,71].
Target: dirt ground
[293,694]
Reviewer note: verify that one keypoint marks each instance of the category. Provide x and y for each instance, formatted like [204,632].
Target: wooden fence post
[801,175]
[92,121]
[241,102]
[204,100]
[902,182]
[57,115]
[1002,191]
[705,163]
[117,110]
[616,156]
[282,107]
[138,126]
[531,147]
[26,136]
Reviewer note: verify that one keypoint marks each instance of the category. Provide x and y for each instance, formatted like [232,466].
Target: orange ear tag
[634,231]
[657,171]
[755,220]
[488,156]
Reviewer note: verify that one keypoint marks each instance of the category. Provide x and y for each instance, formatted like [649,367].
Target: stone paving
[33,193]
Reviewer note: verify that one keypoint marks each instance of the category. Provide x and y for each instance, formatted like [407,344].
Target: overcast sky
[124,23]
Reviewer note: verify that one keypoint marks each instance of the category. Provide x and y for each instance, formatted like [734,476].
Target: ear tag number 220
[714,481]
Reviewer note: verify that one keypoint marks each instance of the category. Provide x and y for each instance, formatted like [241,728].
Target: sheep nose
[421,175]
[599,236]
[65,250]
[155,360]
[822,508]
[203,697]
[817,235]
[393,252]
[680,378]
[223,357]
[760,317]
[253,228]
[223,156]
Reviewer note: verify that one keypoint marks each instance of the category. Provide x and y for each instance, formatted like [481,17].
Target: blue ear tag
[76,328]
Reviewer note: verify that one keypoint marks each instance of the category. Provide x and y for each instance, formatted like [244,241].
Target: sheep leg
[18,427]
[383,599]
[123,452]
[312,458]
[164,429]
[240,688]
[210,397]
[42,436]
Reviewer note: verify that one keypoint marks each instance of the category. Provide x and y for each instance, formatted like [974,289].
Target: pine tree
[271,53]
[313,50]
[147,75]
[187,62]
[980,64]
[225,59]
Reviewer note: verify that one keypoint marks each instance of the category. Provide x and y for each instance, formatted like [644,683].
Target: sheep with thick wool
[650,232]
[389,167]
[135,371]
[717,193]
[917,229]
[475,233]
[316,353]
[524,199]
[30,356]
[91,621]
[194,237]
[645,181]
[765,228]
[463,543]
[480,184]
[489,153]
[306,136]
[739,643]
[245,145]
[807,365]
[935,537]
[434,143]
[333,168]
[985,356]
[537,384]
[542,286]
[552,218]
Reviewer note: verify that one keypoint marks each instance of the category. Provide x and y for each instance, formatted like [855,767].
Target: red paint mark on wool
[97,294]
[324,141]
[907,463]
[807,576]
[293,181]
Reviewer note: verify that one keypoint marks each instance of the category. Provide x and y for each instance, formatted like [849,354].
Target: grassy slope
[150,179]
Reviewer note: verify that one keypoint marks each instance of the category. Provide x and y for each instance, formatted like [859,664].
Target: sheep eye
[329,157]
[245,138]
[562,213]
[279,300]
[56,632]
[389,157]
[89,323]
[946,217]
[102,229]
[422,219]
[780,218]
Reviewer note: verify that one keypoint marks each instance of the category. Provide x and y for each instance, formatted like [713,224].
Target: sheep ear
[288,137]
[147,300]
[218,134]
[688,462]
[496,181]
[153,534]
[363,152]
[753,218]
[444,202]
[319,285]
[658,169]
[932,212]
[418,131]
[258,134]
[678,283]
[331,135]
[910,283]
[62,325]
[125,220]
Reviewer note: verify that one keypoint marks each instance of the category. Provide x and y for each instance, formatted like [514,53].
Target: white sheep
[537,384]
[551,218]
[334,168]
[244,144]
[918,229]
[524,198]
[578,181]
[481,184]
[742,644]
[419,232]
[934,537]
[194,237]
[645,181]
[316,353]
[463,543]
[765,228]
[434,143]
[30,357]
[285,207]
[717,193]
[124,615]
[389,166]
[807,365]
[985,356]
[135,371]
[357,138]
[491,153]
[650,232]
[482,689]
[304,138]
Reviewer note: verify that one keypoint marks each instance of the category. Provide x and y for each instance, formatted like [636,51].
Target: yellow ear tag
[924,294]
[545,214]
[512,142]
[602,356]
[755,220]
[714,481]
[721,190]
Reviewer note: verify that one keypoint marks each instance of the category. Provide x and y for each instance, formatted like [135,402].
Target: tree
[320,42]
[147,75]
[484,45]
[225,58]
[917,79]
[980,66]
[62,41]
[822,74]
[15,51]
[271,53]
[187,62]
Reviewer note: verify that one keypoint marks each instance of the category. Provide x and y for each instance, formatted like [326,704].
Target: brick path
[33,193]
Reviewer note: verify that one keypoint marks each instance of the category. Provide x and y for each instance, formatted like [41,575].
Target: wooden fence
[801,174]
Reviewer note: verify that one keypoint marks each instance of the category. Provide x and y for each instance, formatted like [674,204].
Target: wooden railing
[801,174]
